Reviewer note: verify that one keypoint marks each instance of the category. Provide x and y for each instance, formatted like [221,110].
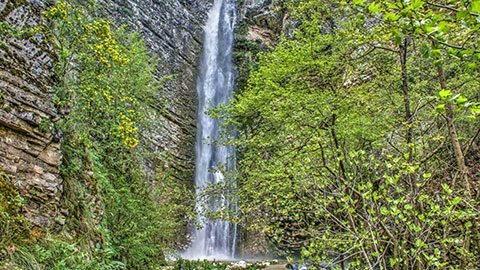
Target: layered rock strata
[29,150]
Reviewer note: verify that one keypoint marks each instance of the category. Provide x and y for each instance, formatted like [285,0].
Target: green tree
[349,136]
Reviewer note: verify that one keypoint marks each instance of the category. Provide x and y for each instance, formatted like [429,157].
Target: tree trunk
[452,131]
[337,147]
[406,99]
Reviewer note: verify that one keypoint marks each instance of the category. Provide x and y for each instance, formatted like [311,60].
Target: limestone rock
[30,156]
[263,21]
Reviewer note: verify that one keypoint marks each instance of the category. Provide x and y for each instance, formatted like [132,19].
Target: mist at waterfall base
[216,238]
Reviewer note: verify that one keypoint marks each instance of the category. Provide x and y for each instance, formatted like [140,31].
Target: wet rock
[264,22]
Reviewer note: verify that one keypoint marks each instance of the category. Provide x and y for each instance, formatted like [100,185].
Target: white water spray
[216,239]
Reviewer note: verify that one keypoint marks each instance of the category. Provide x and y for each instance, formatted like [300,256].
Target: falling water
[216,238]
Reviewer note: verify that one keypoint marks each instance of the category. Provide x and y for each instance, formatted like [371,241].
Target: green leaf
[476,6]
[444,93]
[419,243]
[475,110]
[446,188]
[472,66]
[416,4]
[436,53]
[390,16]
[440,108]
[374,8]
[358,2]
[456,200]
[461,99]
[462,14]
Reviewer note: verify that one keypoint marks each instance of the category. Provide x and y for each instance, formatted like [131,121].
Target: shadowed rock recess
[29,151]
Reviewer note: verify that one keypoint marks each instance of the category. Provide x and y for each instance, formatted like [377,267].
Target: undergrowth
[13,226]
[56,252]
[25,247]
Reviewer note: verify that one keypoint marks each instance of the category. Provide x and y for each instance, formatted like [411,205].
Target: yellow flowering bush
[105,91]
[59,11]
[104,95]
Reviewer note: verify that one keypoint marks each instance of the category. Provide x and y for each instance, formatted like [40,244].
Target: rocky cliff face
[173,31]
[263,21]
[260,25]
[29,150]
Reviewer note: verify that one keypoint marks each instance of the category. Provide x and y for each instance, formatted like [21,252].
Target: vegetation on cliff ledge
[115,219]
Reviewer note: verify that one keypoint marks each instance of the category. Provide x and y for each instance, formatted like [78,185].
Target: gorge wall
[30,153]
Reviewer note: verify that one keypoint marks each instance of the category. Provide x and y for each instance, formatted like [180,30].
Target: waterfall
[216,238]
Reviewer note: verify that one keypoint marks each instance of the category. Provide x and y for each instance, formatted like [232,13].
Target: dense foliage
[12,222]
[25,248]
[358,135]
